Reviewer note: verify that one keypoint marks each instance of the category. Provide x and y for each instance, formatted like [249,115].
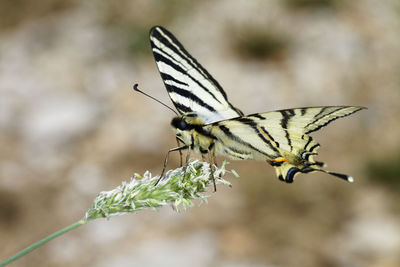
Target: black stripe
[307,170]
[203,151]
[320,112]
[195,64]
[184,54]
[286,116]
[238,111]
[235,150]
[256,115]
[264,139]
[306,156]
[211,146]
[313,147]
[167,77]
[159,57]
[270,137]
[189,95]
[285,119]
[162,53]
[327,114]
[284,122]
[308,142]
[230,154]
[245,120]
[157,35]
[288,138]
[329,121]
[253,125]
[200,129]
[340,175]
[182,109]
[303,111]
[333,111]
[290,174]
[228,133]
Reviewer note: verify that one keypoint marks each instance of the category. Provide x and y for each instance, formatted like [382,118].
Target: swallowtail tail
[209,124]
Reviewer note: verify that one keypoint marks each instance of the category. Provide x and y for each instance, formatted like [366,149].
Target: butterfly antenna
[135,87]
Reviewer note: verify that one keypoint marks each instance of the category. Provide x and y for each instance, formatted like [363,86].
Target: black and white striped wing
[285,129]
[290,128]
[280,137]
[191,88]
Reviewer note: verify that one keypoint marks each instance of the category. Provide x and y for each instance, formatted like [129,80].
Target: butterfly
[207,123]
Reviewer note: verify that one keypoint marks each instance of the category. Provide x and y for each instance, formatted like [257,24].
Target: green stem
[42,242]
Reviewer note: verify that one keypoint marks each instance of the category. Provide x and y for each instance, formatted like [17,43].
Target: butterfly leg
[166,160]
[186,163]
[180,151]
[212,162]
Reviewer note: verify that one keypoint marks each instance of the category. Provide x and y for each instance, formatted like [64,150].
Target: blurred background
[71,126]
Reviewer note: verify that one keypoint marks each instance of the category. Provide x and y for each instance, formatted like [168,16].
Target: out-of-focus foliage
[14,12]
[385,171]
[135,23]
[10,210]
[259,44]
[309,4]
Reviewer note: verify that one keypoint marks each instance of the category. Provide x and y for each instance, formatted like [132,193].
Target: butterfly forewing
[191,88]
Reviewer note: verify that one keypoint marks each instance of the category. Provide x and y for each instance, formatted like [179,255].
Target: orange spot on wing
[280,160]
[277,161]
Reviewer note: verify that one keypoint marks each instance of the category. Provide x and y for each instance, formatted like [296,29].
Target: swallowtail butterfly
[209,124]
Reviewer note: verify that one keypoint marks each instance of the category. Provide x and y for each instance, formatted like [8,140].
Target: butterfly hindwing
[191,88]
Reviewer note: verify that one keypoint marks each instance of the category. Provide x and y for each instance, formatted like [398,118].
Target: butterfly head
[187,122]
[184,126]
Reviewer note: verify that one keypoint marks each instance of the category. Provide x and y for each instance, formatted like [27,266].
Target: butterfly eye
[182,125]
[179,123]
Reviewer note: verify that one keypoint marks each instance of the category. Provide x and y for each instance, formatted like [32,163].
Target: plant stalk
[42,242]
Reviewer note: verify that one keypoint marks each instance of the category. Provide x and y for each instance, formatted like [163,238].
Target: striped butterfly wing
[289,128]
[191,88]
[280,137]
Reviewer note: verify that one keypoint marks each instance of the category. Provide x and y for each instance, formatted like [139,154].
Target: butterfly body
[192,131]
[209,124]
